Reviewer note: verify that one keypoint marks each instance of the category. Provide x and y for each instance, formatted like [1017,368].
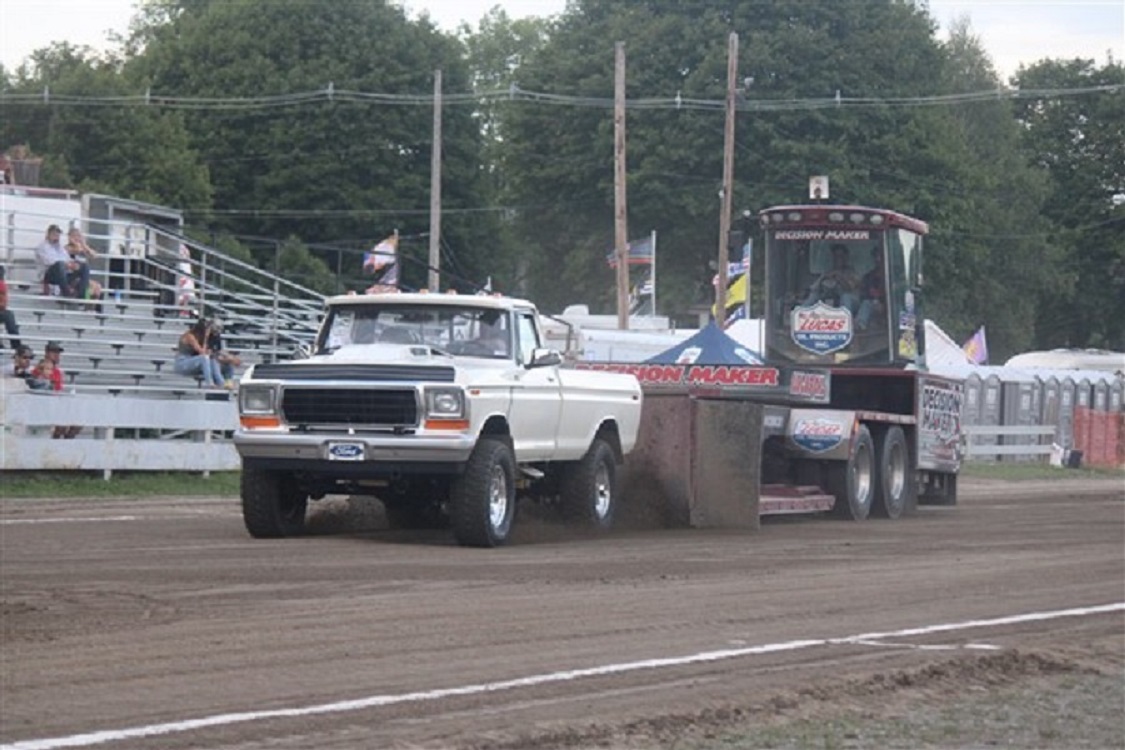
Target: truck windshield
[460,331]
[828,295]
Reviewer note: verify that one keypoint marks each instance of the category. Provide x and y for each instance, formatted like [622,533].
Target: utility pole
[434,281]
[728,181]
[620,216]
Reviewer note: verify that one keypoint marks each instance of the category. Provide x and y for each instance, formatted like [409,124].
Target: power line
[331,96]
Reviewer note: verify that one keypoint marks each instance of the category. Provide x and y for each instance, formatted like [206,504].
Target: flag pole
[652,274]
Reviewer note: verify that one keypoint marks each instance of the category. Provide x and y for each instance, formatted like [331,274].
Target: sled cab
[843,286]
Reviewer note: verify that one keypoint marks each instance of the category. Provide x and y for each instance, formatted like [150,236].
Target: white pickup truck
[440,405]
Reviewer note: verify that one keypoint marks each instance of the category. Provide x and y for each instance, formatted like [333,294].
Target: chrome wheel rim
[603,492]
[497,497]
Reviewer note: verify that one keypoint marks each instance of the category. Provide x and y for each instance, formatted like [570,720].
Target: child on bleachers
[6,315]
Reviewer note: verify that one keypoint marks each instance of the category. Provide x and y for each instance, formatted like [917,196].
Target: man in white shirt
[58,268]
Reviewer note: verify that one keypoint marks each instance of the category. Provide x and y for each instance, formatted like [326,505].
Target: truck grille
[349,406]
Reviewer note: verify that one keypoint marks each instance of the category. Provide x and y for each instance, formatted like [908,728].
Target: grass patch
[122,484]
[1016,472]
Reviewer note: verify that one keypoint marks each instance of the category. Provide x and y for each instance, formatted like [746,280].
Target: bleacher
[125,342]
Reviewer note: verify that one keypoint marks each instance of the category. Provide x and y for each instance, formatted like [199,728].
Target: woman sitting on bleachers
[194,358]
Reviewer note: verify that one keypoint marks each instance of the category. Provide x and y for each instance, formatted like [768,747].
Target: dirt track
[118,615]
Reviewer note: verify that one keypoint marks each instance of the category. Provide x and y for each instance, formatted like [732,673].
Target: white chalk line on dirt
[376,701]
[119,519]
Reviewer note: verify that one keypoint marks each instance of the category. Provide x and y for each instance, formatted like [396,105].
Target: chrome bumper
[395,449]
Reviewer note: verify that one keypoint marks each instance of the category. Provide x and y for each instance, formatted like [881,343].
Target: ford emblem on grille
[345,451]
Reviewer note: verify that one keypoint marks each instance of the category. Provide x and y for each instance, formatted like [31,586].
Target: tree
[350,169]
[135,152]
[1080,142]
[796,51]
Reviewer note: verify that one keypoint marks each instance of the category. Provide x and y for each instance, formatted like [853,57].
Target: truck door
[536,397]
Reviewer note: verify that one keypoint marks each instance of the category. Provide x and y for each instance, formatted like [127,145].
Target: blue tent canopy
[708,347]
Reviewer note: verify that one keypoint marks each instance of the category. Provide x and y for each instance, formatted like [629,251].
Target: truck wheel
[588,488]
[853,482]
[273,505]
[483,501]
[895,492]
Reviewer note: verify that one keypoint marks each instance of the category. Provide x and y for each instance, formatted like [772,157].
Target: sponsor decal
[818,435]
[690,375]
[809,385]
[822,234]
[939,429]
[821,329]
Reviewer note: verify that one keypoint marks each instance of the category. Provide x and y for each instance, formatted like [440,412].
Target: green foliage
[135,152]
[1026,235]
[1080,143]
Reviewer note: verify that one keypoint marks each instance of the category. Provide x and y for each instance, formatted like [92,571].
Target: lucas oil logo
[821,329]
[818,435]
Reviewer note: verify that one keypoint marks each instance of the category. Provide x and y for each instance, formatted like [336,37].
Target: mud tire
[896,493]
[853,481]
[483,500]
[273,506]
[588,488]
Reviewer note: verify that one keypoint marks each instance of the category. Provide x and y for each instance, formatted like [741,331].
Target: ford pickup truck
[445,407]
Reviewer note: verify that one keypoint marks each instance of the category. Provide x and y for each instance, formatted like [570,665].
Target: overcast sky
[1013,31]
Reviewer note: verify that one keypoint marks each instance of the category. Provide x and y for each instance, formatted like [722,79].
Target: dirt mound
[885,695]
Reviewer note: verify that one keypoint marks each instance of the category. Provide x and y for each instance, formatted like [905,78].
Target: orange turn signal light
[254,423]
[447,424]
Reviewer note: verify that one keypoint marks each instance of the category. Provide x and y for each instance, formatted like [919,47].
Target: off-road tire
[588,488]
[273,506]
[483,501]
[896,493]
[853,481]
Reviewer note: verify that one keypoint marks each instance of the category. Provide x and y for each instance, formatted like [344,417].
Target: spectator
[227,360]
[53,355]
[194,358]
[7,315]
[185,283]
[21,368]
[81,252]
[57,267]
[42,376]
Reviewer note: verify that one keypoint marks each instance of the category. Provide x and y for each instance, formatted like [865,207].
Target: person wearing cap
[6,315]
[20,367]
[52,354]
[58,268]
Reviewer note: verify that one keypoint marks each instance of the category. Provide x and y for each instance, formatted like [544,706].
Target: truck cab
[843,286]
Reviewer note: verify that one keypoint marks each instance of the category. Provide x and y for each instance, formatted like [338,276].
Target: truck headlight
[445,403]
[257,399]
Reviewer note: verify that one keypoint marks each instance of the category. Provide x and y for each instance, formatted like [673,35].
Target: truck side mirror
[544,358]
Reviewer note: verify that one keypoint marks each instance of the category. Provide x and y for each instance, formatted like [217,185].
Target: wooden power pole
[434,280]
[620,216]
[728,181]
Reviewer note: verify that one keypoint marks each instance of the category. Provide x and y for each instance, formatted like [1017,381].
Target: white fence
[1030,443]
[181,435]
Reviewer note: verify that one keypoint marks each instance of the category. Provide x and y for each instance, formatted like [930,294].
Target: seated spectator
[194,358]
[227,360]
[9,318]
[43,375]
[80,252]
[58,268]
[21,368]
[54,373]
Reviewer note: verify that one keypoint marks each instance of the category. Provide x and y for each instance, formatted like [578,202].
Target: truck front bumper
[321,452]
